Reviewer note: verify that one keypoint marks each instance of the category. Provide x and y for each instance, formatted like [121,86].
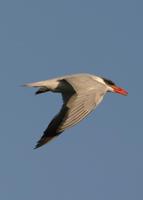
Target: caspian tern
[81,94]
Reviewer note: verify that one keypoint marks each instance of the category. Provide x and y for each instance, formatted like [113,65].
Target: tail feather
[44,86]
[36,84]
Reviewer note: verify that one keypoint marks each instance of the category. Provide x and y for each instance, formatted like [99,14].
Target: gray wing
[76,107]
[79,106]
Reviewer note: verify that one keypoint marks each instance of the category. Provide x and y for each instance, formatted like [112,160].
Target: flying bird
[81,93]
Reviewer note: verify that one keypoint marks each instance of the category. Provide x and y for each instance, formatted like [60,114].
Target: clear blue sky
[102,157]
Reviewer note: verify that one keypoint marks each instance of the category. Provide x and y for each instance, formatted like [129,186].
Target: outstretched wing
[76,107]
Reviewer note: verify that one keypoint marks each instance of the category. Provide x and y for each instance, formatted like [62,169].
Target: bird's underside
[78,102]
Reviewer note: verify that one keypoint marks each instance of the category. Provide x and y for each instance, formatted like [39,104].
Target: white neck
[100,80]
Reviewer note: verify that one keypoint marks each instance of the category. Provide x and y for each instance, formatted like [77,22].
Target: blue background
[100,158]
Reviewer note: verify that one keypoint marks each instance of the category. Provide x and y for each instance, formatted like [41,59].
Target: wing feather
[77,105]
[78,109]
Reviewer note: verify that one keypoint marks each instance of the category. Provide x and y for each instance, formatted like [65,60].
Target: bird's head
[112,87]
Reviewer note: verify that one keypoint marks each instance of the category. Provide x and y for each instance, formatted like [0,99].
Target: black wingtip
[38,145]
[37,92]
[35,147]
[42,90]
[44,140]
[41,142]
